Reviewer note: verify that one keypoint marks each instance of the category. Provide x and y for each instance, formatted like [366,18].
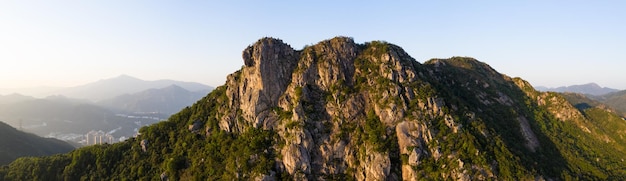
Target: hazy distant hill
[166,100]
[123,84]
[40,91]
[590,88]
[14,98]
[15,143]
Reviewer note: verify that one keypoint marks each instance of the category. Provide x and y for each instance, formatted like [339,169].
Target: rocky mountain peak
[267,50]
[312,94]
[275,74]
[256,88]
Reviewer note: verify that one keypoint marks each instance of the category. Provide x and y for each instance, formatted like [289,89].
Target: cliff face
[311,98]
[342,110]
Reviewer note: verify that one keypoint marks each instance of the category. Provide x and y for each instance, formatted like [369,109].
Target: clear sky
[68,43]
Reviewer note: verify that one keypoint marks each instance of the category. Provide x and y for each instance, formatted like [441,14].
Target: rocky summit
[339,110]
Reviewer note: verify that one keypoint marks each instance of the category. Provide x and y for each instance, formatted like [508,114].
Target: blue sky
[68,43]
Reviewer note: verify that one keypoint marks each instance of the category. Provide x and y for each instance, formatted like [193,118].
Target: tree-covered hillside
[15,144]
[616,100]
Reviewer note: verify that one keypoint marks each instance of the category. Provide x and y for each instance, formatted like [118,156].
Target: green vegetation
[177,152]
[377,48]
[616,100]
[15,144]
[375,133]
[566,150]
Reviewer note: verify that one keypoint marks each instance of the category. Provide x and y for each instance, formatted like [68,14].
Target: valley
[120,117]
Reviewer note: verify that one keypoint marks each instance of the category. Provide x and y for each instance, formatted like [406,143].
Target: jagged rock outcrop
[269,64]
[144,145]
[310,96]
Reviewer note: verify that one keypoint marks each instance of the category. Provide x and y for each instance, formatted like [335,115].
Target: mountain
[613,102]
[40,91]
[15,144]
[14,98]
[590,88]
[168,100]
[582,101]
[616,100]
[123,84]
[338,110]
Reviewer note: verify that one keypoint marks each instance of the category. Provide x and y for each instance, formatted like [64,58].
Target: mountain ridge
[589,88]
[338,110]
[616,100]
[15,144]
[14,98]
[167,100]
[123,84]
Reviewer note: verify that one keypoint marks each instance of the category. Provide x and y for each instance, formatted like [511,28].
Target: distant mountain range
[123,84]
[106,88]
[39,92]
[590,88]
[14,98]
[15,144]
[168,100]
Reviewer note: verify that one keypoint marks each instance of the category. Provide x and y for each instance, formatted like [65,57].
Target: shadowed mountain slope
[15,144]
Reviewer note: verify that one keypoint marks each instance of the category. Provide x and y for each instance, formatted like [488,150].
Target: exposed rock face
[269,65]
[531,140]
[312,97]
[144,145]
[371,112]
[195,126]
[163,176]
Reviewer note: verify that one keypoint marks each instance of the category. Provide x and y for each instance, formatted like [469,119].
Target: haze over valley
[114,108]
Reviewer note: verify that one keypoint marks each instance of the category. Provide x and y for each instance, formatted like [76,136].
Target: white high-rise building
[98,137]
